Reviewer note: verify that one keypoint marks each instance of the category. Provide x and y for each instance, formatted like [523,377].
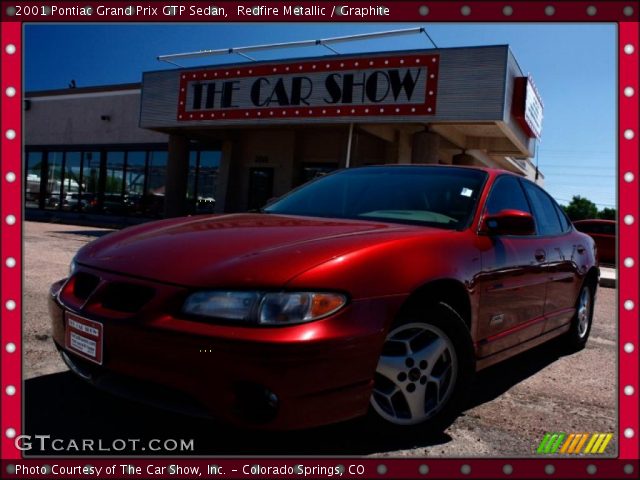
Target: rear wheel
[423,370]
[577,336]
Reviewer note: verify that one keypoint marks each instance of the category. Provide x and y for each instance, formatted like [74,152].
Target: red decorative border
[384,468]
[314,66]
[625,466]
[404,11]
[11,241]
[628,218]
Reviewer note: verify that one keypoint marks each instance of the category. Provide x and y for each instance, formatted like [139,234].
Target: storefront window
[33,171]
[54,180]
[191,180]
[134,180]
[117,182]
[71,190]
[153,204]
[207,181]
[114,184]
[90,180]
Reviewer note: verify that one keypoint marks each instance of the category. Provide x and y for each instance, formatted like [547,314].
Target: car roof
[491,170]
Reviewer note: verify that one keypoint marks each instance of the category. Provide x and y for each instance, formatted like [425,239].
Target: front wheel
[423,370]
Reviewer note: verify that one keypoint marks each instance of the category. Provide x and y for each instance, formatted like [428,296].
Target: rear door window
[564,221]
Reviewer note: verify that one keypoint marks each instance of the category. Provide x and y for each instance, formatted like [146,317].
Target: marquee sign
[527,106]
[397,85]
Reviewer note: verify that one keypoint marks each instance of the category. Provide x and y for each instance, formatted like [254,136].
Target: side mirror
[509,222]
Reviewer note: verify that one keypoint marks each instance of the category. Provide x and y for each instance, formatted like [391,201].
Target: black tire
[436,319]
[576,338]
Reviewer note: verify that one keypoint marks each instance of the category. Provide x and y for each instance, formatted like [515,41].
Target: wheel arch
[591,278]
[447,290]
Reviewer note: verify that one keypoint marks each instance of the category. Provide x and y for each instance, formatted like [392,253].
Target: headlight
[226,305]
[72,267]
[287,308]
[264,308]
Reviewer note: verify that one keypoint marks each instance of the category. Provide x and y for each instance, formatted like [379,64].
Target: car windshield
[434,196]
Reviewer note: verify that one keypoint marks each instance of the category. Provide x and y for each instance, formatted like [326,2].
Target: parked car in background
[604,234]
[79,202]
[205,205]
[379,289]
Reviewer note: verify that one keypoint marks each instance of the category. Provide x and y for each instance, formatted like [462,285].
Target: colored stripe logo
[574,443]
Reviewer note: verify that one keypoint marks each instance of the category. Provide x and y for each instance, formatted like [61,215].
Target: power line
[568,182]
[595,203]
[579,162]
[569,175]
[574,151]
[586,167]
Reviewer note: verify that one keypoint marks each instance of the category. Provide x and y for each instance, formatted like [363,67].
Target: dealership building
[227,138]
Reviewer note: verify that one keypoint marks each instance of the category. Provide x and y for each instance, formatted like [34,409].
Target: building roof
[80,90]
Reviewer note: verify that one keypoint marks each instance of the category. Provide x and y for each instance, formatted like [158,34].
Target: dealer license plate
[84,337]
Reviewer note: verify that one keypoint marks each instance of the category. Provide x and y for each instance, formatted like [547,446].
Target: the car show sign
[394,85]
[527,106]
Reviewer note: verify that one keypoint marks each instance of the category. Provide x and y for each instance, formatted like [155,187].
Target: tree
[607,214]
[581,208]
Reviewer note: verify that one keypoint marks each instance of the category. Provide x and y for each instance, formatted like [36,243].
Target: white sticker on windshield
[466,192]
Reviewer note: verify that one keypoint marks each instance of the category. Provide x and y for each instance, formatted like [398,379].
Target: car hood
[234,251]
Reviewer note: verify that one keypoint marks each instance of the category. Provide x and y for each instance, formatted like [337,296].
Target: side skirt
[510,352]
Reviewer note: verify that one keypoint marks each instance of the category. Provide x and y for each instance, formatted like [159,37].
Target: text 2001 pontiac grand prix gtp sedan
[376,289]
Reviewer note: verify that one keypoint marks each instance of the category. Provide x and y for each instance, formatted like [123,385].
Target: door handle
[581,249]
[540,255]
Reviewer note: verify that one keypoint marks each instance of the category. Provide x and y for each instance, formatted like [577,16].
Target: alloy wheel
[416,374]
[584,312]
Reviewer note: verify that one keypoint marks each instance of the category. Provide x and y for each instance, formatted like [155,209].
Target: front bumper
[278,378]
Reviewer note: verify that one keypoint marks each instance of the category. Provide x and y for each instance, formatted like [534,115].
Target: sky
[574,67]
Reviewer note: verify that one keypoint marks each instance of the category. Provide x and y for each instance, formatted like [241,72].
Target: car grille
[86,289]
[125,297]
[84,284]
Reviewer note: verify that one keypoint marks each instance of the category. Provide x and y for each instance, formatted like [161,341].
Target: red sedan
[376,289]
[603,233]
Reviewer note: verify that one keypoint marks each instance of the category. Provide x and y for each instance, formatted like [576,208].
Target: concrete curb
[608,277]
[607,282]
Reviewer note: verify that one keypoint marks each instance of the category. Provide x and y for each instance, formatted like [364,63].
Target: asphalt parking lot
[511,406]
